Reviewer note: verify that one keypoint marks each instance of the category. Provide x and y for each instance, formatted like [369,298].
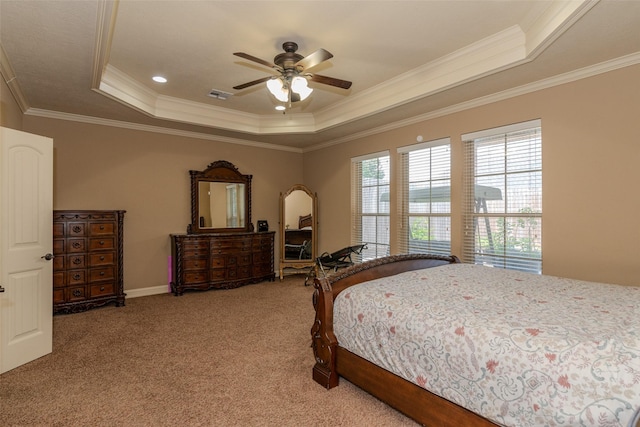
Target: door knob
[48,257]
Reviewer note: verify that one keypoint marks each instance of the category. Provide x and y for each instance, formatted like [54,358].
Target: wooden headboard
[304,221]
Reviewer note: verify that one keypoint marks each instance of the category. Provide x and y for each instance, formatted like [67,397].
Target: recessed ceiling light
[159,79]
[280,107]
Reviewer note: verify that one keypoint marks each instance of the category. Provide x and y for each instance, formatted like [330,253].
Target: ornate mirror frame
[223,172]
[287,245]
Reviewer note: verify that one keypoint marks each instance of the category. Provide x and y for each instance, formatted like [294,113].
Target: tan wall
[147,174]
[10,113]
[591,168]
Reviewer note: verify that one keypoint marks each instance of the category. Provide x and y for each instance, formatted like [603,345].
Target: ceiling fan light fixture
[277,89]
[292,85]
[300,86]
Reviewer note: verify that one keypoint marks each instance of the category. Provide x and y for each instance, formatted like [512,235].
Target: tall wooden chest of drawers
[221,260]
[87,268]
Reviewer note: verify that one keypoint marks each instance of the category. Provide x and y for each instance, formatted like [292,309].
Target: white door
[26,217]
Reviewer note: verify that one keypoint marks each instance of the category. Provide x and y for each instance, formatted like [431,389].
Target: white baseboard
[153,290]
[145,292]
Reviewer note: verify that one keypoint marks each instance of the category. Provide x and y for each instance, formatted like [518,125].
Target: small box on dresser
[88,263]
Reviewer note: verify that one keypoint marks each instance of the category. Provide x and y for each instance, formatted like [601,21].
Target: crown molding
[604,67]
[601,68]
[122,88]
[155,129]
[556,19]
[490,55]
[105,24]
[583,73]
[9,76]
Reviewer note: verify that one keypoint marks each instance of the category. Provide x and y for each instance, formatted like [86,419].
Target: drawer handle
[101,258]
[77,229]
[102,227]
[101,288]
[77,293]
[102,273]
[76,277]
[76,245]
[77,261]
[102,242]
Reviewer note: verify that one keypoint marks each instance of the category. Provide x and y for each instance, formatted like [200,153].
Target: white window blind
[425,200]
[502,207]
[369,208]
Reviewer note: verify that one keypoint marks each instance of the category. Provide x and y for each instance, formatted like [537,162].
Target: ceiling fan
[291,85]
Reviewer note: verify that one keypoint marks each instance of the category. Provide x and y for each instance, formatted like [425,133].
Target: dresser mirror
[298,228]
[220,199]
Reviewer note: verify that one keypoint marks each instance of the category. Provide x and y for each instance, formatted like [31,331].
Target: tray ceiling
[95,58]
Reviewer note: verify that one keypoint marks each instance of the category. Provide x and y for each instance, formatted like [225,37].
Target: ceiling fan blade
[254,59]
[344,84]
[255,82]
[314,59]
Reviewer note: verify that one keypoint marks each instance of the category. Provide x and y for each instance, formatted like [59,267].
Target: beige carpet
[237,357]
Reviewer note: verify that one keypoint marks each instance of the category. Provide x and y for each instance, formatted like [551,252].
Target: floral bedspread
[519,349]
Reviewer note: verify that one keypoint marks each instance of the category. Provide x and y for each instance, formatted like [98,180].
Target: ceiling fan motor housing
[289,58]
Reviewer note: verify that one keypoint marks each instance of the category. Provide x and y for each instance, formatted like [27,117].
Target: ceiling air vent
[219,94]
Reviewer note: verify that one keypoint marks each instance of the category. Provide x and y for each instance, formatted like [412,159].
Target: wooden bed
[333,361]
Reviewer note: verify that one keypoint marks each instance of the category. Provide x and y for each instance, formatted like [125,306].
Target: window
[425,199]
[503,197]
[369,207]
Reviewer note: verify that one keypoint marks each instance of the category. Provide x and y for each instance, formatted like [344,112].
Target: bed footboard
[323,339]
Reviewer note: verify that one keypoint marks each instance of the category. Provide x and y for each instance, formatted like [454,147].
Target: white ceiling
[95,59]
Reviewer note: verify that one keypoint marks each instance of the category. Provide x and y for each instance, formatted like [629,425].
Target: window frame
[381,245]
[510,249]
[437,178]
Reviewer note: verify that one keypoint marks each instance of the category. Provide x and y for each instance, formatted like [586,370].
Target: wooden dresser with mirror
[220,249]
